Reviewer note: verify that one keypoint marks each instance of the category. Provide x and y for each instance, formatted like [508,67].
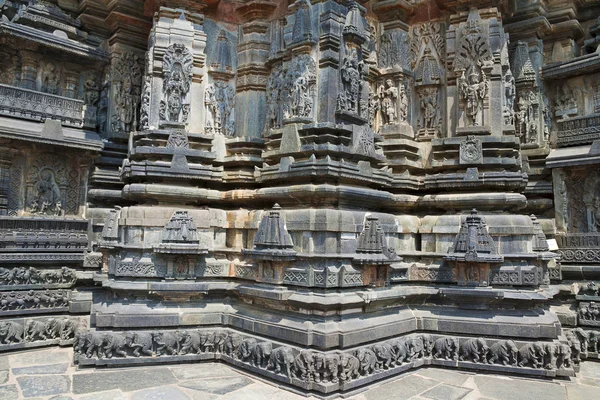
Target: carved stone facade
[214,164]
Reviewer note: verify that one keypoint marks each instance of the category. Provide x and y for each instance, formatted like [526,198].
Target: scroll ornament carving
[219,102]
[314,366]
[127,79]
[427,53]
[34,276]
[177,78]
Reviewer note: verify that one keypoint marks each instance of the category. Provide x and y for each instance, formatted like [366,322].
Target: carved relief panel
[126,77]
[46,184]
[427,61]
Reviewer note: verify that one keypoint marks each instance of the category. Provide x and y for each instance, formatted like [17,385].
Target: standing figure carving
[352,72]
[388,95]
[47,198]
[219,102]
[473,91]
[127,78]
[51,79]
[177,78]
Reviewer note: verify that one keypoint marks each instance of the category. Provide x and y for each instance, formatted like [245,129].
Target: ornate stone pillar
[253,51]
[29,70]
[5,163]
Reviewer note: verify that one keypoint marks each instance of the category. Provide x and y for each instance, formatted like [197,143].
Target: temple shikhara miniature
[322,193]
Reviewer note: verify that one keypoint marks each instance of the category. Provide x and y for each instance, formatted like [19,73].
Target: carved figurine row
[313,366]
[589,311]
[34,276]
[33,300]
[35,330]
[583,341]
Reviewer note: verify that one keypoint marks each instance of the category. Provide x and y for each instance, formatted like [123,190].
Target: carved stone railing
[578,130]
[579,247]
[37,106]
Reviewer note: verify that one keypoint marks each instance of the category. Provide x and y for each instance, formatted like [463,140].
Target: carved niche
[427,60]
[219,102]
[177,79]
[526,116]
[126,76]
[472,65]
[291,92]
[353,73]
[471,150]
[45,184]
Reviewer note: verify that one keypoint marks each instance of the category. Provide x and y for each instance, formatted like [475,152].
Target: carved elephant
[575,345]
[503,352]
[53,328]
[474,350]
[207,341]
[446,348]
[594,339]
[281,361]
[219,342]
[79,342]
[368,361]
[261,355]
[401,350]
[531,354]
[416,347]
[246,349]
[190,342]
[327,367]
[66,328]
[140,342]
[583,337]
[304,365]
[385,355]
[11,332]
[167,342]
[349,367]
[563,356]
[232,343]
[94,344]
[427,345]
[36,330]
[114,342]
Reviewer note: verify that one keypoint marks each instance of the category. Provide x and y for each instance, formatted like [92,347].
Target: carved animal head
[539,349]
[481,343]
[319,361]
[130,338]
[510,347]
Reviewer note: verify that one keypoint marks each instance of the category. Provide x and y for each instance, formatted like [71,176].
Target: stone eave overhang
[572,156]
[585,64]
[53,41]
[33,132]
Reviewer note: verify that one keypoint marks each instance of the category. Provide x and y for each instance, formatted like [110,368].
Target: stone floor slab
[400,389]
[583,392]
[9,392]
[49,385]
[4,364]
[125,380]
[110,395]
[36,358]
[216,385]
[41,369]
[193,371]
[161,393]
[256,391]
[517,389]
[444,376]
[446,392]
[4,377]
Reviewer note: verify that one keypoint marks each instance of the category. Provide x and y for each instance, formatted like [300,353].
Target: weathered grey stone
[403,388]
[107,395]
[518,390]
[9,392]
[446,392]
[41,370]
[165,392]
[132,380]
[449,377]
[217,385]
[208,370]
[44,385]
[38,358]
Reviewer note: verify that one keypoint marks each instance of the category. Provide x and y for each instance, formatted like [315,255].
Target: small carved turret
[272,240]
[179,236]
[474,243]
[539,238]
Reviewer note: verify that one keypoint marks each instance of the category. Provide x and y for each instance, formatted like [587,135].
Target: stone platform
[49,374]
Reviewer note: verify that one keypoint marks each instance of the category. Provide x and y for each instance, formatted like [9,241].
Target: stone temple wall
[324,193]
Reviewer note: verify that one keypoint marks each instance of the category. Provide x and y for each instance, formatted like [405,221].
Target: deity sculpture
[388,95]
[509,98]
[127,102]
[473,91]
[92,91]
[47,199]
[51,79]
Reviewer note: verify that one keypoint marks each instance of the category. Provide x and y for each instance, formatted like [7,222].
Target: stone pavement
[49,374]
